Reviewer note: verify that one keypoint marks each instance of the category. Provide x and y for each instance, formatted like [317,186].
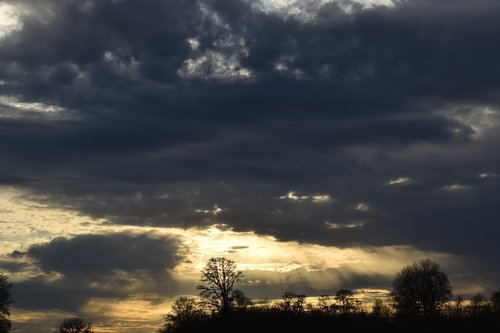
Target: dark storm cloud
[102,254]
[159,131]
[110,265]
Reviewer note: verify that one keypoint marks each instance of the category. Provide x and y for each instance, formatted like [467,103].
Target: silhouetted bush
[185,311]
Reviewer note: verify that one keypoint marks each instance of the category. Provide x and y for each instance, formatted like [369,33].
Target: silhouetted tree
[495,301]
[286,302]
[75,325]
[218,279]
[239,299]
[324,304]
[380,309]
[345,301]
[478,305]
[299,304]
[5,302]
[420,289]
[183,312]
[292,302]
[457,307]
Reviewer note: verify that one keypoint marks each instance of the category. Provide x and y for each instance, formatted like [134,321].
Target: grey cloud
[13,266]
[35,294]
[103,254]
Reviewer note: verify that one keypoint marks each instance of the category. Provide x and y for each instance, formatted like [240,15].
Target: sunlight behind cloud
[483,121]
[456,187]
[214,65]
[9,20]
[345,226]
[13,107]
[307,10]
[316,198]
[400,181]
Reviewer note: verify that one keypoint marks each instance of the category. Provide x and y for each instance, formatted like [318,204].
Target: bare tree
[292,302]
[345,301]
[380,309]
[324,303]
[218,280]
[5,302]
[420,289]
[75,325]
[458,306]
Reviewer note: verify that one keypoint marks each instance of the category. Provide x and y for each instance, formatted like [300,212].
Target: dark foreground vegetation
[273,320]
[421,301]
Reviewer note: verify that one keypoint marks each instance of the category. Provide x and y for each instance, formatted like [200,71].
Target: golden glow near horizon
[264,259]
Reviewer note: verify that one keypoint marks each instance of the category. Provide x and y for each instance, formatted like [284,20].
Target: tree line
[421,301]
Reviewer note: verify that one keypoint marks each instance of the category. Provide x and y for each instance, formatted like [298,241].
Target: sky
[320,144]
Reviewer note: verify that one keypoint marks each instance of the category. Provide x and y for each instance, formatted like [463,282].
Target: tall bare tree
[218,280]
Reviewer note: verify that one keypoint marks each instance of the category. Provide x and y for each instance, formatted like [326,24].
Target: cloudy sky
[321,144]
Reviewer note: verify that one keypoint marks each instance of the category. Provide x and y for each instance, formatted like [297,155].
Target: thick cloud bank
[367,125]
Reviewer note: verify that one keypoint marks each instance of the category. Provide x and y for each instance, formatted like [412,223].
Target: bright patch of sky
[216,210]
[456,187]
[361,206]
[483,120]
[400,181]
[214,65]
[316,198]
[351,225]
[13,107]
[9,20]
[307,9]
[487,175]
[25,222]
